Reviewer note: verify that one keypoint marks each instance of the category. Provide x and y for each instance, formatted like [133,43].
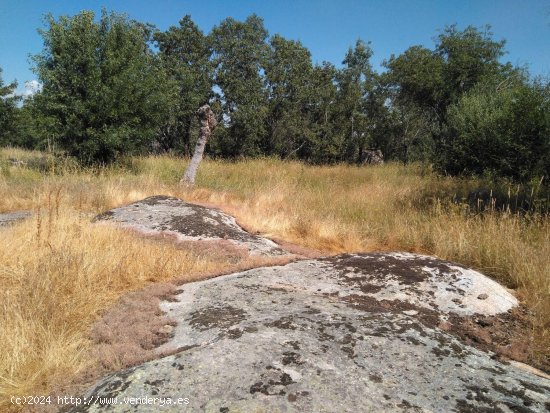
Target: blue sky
[326,27]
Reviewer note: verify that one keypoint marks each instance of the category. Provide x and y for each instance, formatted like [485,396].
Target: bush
[499,131]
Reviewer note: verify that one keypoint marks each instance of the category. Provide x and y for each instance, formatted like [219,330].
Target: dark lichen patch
[178,366]
[232,333]
[348,339]
[155,383]
[369,288]
[323,335]
[375,378]
[157,199]
[311,310]
[185,348]
[379,267]
[208,223]
[493,370]
[371,305]
[283,323]
[222,317]
[464,406]
[350,352]
[517,407]
[113,388]
[408,406]
[272,386]
[503,334]
[204,223]
[517,392]
[441,353]
[259,387]
[104,216]
[458,350]
[250,329]
[534,387]
[291,357]
[414,341]
[479,394]
[285,380]
[292,397]
[294,344]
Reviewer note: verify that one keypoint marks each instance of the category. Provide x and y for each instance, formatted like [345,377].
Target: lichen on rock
[350,333]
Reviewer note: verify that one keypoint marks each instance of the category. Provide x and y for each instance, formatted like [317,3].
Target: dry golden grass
[60,277]
[59,273]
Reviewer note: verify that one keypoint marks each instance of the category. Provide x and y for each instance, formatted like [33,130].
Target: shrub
[502,131]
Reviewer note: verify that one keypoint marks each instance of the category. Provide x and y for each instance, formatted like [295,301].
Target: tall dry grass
[60,274]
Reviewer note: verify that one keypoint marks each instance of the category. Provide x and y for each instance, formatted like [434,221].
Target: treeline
[115,86]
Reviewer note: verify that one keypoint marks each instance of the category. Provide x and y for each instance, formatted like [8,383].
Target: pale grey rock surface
[159,215]
[353,333]
[9,218]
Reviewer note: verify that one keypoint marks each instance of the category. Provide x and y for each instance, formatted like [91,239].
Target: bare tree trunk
[208,122]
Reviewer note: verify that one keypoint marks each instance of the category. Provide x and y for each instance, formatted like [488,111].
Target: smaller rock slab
[158,215]
[9,218]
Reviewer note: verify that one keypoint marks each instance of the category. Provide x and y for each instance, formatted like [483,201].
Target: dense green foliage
[116,86]
[103,92]
[185,55]
[8,112]
[239,54]
[502,130]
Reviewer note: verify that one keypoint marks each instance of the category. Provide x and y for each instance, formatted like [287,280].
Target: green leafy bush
[499,131]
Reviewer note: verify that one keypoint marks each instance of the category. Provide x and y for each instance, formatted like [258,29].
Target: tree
[418,95]
[240,51]
[471,56]
[208,124]
[288,73]
[423,83]
[185,55]
[384,128]
[101,86]
[324,146]
[416,77]
[355,82]
[8,112]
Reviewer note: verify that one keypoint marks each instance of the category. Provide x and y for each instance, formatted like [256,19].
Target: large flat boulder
[164,215]
[353,333]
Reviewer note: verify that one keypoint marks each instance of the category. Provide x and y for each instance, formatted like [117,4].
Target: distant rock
[17,162]
[352,333]
[9,218]
[187,222]
[372,157]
